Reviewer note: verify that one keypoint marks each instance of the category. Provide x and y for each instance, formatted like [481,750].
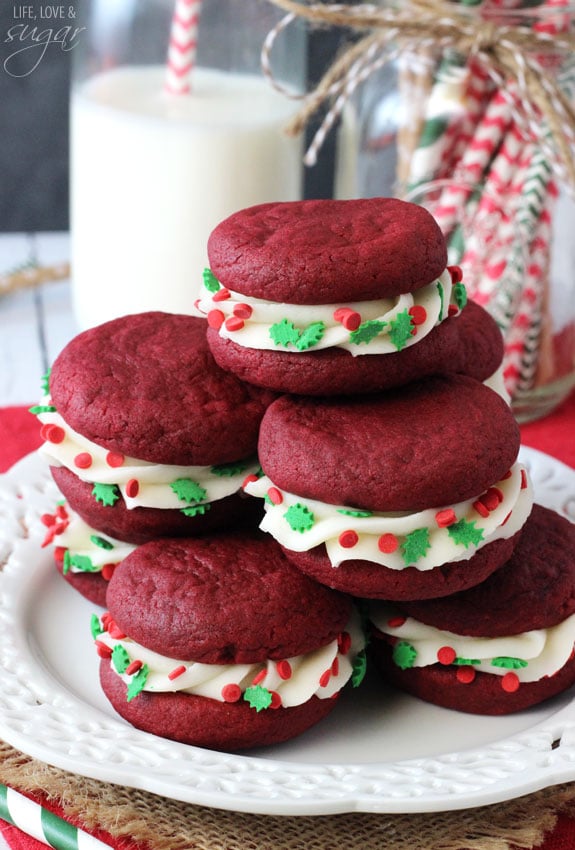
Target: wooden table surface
[35,321]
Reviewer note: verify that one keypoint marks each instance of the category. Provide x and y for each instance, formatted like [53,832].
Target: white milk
[152,174]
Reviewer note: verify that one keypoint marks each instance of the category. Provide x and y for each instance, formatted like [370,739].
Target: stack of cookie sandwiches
[389,463]
[211,636]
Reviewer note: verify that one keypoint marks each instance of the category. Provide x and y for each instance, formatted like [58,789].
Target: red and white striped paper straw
[183,46]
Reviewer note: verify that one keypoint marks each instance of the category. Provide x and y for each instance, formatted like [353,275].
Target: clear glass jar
[435,129]
[153,171]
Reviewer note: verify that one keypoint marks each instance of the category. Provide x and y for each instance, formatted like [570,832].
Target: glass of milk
[153,171]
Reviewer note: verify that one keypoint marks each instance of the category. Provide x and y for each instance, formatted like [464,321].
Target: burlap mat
[171,825]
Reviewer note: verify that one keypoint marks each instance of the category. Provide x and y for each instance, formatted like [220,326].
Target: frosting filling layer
[270,684]
[384,326]
[82,548]
[529,656]
[139,483]
[424,540]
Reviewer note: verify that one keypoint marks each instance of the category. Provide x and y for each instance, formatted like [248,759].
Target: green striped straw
[43,825]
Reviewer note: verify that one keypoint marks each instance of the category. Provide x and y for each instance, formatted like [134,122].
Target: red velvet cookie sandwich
[220,642]
[329,297]
[146,436]
[500,647]
[85,557]
[411,494]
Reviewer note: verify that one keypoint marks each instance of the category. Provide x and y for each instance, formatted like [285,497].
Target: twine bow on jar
[515,52]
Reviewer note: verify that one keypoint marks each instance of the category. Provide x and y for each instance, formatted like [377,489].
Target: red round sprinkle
[83,460]
[523,479]
[335,666]
[446,655]
[465,675]
[259,677]
[234,323]
[48,520]
[103,649]
[115,459]
[221,295]
[243,311]
[61,512]
[231,693]
[508,474]
[344,642]
[215,319]
[249,479]
[396,622]
[52,433]
[132,488]
[510,683]
[275,496]
[452,310]
[445,518]
[507,518]
[176,672]
[418,314]
[324,679]
[106,619]
[108,571]
[348,539]
[350,319]
[480,508]
[284,669]
[387,543]
[115,632]
[133,667]
[492,498]
[59,552]
[276,700]
[456,273]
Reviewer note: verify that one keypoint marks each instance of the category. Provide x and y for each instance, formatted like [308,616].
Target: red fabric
[19,435]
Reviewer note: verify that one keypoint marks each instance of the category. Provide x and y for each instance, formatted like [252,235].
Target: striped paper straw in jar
[182,46]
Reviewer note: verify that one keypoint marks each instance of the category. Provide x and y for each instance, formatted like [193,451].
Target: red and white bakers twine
[182,46]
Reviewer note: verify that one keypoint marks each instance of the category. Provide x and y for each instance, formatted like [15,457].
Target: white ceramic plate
[379,751]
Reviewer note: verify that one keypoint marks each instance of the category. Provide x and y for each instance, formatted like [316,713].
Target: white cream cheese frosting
[86,549]
[288,682]
[383,326]
[139,483]
[424,540]
[530,656]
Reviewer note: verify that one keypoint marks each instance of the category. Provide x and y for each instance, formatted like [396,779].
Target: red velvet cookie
[205,640]
[146,435]
[340,297]
[500,647]
[412,494]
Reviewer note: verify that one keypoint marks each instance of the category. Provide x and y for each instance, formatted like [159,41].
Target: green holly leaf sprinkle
[101,542]
[45,382]
[358,514]
[508,662]
[299,517]
[258,697]
[284,333]
[404,654]
[465,533]
[464,662]
[415,545]
[120,658]
[196,510]
[83,563]
[96,626]
[42,408]
[310,336]
[188,490]
[66,563]
[400,329]
[106,494]
[460,295]
[228,469]
[441,293]
[359,668]
[211,282]
[137,682]
[367,331]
